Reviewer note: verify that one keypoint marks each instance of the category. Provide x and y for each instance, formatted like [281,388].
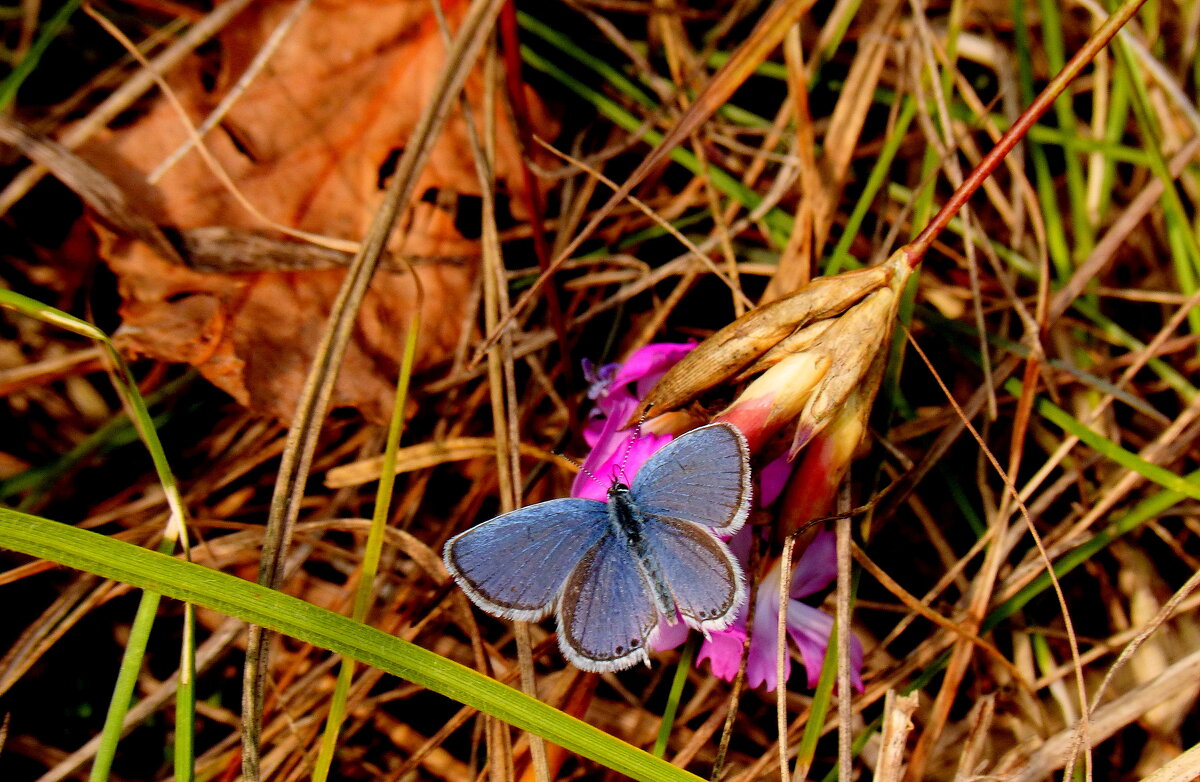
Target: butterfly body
[612,570]
[627,522]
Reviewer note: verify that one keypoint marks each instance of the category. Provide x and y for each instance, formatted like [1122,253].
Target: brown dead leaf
[310,144]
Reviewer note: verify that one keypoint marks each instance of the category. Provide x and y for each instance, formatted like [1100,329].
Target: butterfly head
[618,491]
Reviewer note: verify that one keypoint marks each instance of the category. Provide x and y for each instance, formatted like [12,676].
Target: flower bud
[777,396]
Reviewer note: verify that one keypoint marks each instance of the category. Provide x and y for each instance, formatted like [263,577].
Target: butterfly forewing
[516,564]
[606,614]
[703,576]
[702,476]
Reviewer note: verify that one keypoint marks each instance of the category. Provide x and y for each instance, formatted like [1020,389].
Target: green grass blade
[1113,331]
[1064,112]
[50,31]
[840,257]
[953,332]
[122,697]
[373,550]
[821,703]
[115,433]
[668,719]
[565,44]
[1185,247]
[1047,193]
[776,219]
[1107,448]
[182,580]
[125,386]
[185,701]
[175,532]
[1150,508]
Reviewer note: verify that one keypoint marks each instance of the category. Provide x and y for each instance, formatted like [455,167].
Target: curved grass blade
[153,571]
[175,533]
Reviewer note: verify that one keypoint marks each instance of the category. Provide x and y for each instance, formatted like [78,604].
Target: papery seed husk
[736,346]
[798,341]
[826,407]
[854,340]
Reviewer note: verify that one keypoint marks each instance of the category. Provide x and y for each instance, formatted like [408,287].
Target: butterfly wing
[702,476]
[703,576]
[606,615]
[514,565]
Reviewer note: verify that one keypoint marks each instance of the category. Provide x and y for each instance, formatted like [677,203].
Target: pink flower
[618,452]
[808,627]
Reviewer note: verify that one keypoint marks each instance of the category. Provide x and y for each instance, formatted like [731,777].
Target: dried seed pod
[798,341]
[726,353]
[855,339]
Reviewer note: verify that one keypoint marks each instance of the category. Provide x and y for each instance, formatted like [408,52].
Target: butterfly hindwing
[702,476]
[703,576]
[515,565]
[606,615]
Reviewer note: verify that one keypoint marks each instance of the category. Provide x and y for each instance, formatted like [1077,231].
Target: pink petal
[617,452]
[723,651]
[616,458]
[817,566]
[646,365]
[760,666]
[772,479]
[668,636]
[810,628]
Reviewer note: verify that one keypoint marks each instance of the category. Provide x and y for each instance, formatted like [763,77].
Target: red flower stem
[961,654]
[1020,128]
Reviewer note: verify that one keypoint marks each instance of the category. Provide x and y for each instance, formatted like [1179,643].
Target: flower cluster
[618,450]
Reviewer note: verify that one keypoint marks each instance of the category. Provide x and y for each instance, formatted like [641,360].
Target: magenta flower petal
[604,424]
[724,652]
[772,479]
[617,457]
[648,364]
[739,544]
[668,636]
[810,629]
[817,566]
[760,665]
[760,668]
[807,627]
[617,452]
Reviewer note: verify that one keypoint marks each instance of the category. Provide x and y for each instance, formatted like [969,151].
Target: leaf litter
[310,144]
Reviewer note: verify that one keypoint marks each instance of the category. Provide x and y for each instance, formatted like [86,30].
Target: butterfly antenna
[582,469]
[637,433]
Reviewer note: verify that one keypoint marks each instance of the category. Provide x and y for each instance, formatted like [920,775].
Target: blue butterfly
[611,570]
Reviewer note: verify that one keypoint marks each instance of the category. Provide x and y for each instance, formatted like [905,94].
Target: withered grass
[1061,303]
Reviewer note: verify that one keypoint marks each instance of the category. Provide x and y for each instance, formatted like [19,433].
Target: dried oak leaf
[310,144]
